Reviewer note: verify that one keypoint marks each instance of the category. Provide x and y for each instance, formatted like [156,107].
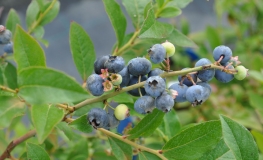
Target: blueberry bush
[135,102]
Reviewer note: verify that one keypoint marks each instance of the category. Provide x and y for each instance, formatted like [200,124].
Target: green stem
[162,134]
[16,142]
[137,85]
[8,89]
[135,145]
[41,16]
[118,52]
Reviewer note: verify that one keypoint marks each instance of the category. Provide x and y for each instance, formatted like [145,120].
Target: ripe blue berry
[125,77]
[5,35]
[98,118]
[205,75]
[94,85]
[114,64]
[205,85]
[181,90]
[164,102]
[207,88]
[99,64]
[8,48]
[223,76]
[222,51]
[157,53]
[134,80]
[196,94]
[154,86]
[187,81]
[155,72]
[139,66]
[144,104]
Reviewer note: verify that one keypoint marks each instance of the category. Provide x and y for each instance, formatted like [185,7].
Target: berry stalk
[165,74]
[118,52]
[135,145]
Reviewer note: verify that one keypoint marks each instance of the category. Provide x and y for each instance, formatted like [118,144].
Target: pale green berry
[241,72]
[169,47]
[116,79]
[121,112]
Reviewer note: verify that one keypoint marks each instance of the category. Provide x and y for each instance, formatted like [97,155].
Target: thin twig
[16,142]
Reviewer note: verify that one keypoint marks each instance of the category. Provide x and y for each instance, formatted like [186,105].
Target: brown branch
[16,142]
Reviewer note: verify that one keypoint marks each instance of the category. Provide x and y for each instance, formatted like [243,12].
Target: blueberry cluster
[111,72]
[194,87]
[5,39]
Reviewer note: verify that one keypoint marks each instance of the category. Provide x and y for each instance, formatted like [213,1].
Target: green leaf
[81,124]
[179,39]
[31,13]
[171,125]
[10,108]
[169,12]
[179,3]
[8,76]
[195,141]
[12,20]
[120,150]
[220,152]
[52,13]
[147,125]
[255,100]
[38,85]
[64,127]
[259,139]
[45,118]
[238,139]
[149,19]
[160,3]
[158,30]
[41,3]
[122,98]
[117,19]
[39,32]
[135,9]
[213,37]
[82,50]
[148,156]
[185,28]
[256,75]
[27,51]
[80,148]
[36,152]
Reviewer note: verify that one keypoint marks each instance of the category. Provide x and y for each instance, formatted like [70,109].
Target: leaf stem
[139,147]
[8,89]
[16,142]
[137,85]
[118,52]
[66,107]
[41,16]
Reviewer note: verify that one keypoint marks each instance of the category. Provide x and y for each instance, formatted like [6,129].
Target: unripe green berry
[241,72]
[121,112]
[169,47]
[116,79]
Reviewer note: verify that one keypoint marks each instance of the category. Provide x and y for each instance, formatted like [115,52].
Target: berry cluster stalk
[125,89]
